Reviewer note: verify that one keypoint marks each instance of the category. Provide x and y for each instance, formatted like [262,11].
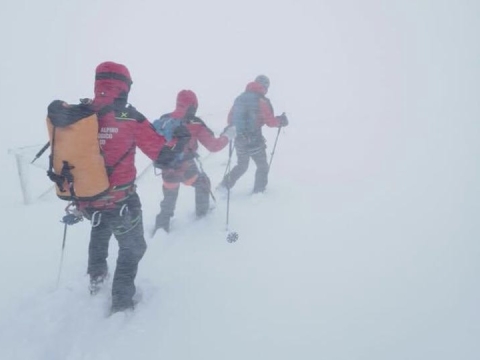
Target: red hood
[256,87]
[186,99]
[112,81]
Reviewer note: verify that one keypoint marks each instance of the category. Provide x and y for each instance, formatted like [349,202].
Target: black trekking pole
[42,150]
[232,236]
[63,251]
[71,218]
[273,150]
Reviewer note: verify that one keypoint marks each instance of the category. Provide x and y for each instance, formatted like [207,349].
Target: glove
[282,120]
[230,132]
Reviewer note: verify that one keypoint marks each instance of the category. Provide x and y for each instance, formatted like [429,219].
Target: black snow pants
[247,148]
[188,174]
[126,224]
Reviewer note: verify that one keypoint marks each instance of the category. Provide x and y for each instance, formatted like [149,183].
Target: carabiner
[96,218]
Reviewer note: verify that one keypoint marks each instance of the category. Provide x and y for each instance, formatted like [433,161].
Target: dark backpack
[245,112]
[166,126]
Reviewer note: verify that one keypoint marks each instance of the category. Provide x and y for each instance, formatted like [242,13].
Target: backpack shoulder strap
[105,110]
[111,169]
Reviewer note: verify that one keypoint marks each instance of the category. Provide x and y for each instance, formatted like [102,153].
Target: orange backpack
[76,164]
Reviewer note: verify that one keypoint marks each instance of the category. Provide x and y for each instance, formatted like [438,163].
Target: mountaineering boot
[167,209]
[97,282]
[122,306]
[221,188]
[162,221]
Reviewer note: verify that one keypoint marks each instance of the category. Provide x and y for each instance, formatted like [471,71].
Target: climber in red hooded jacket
[121,130]
[183,169]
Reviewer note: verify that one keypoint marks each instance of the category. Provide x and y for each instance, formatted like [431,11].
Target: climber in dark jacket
[250,111]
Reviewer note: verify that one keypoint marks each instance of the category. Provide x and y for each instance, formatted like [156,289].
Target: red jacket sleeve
[266,114]
[148,140]
[206,137]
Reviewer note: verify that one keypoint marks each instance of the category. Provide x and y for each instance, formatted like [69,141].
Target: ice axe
[40,153]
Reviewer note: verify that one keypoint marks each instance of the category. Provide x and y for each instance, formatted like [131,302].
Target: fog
[376,178]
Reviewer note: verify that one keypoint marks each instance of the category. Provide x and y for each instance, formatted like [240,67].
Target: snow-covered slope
[365,245]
